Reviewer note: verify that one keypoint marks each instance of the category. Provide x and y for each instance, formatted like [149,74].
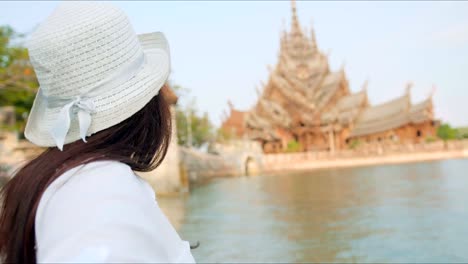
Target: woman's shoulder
[101,169]
[106,174]
[90,183]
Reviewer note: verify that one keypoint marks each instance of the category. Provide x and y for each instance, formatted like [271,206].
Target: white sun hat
[94,72]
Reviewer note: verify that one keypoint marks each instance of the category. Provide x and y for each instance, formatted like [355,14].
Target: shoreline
[293,165]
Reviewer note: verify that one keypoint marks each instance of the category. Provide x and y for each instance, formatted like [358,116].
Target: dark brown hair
[141,141]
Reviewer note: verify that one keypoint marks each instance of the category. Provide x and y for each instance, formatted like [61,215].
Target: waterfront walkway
[375,155]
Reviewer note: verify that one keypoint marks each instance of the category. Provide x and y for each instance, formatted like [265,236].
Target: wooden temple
[306,102]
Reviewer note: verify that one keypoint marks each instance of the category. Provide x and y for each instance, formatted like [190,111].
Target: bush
[354,144]
[462,132]
[293,146]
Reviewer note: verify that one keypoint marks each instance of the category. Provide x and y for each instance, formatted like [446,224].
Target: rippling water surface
[398,213]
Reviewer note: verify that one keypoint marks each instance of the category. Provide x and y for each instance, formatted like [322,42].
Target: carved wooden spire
[258,91]
[293,9]
[433,90]
[409,85]
[284,29]
[365,85]
[295,28]
[313,40]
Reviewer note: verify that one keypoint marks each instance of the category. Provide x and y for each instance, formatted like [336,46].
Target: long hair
[141,142]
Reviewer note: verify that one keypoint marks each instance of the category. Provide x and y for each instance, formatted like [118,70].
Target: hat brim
[114,105]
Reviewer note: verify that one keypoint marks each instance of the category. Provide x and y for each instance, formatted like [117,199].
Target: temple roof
[235,122]
[347,108]
[236,117]
[276,113]
[328,88]
[332,79]
[351,101]
[422,111]
[265,135]
[253,120]
[391,115]
[290,93]
[393,107]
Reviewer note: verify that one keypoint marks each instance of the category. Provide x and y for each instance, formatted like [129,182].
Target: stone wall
[237,158]
[200,166]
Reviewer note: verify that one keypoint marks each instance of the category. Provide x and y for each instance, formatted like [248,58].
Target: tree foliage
[193,129]
[446,132]
[18,82]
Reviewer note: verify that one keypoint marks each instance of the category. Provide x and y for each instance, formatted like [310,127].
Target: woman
[100,112]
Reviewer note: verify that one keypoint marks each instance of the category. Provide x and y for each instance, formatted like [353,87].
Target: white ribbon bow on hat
[83,108]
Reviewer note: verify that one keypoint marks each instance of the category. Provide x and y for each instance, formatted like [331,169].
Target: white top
[102,212]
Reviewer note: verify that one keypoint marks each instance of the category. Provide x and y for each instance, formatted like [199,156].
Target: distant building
[306,102]
[234,124]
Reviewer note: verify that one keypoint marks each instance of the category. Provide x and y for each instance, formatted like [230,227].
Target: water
[397,213]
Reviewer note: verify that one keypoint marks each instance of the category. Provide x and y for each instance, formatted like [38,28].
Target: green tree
[193,129]
[446,132]
[18,82]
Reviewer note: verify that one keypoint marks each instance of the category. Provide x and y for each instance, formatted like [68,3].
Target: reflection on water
[398,213]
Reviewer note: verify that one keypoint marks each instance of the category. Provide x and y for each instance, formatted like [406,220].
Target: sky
[220,49]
